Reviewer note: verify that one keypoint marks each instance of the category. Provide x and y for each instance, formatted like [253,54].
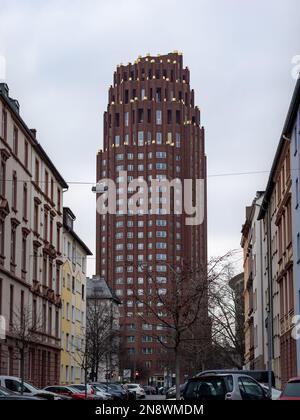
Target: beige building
[73,295]
[31,190]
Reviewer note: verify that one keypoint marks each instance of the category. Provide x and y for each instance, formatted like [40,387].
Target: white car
[137,389]
[14,384]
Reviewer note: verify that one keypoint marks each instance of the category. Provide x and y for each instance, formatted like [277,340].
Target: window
[26,154]
[250,390]
[158,95]
[2,177]
[126,119]
[161,166]
[25,200]
[58,200]
[11,304]
[158,138]
[119,156]
[37,171]
[14,191]
[15,141]
[177,139]
[4,125]
[24,248]
[117,140]
[2,235]
[13,245]
[158,117]
[140,138]
[130,156]
[297,192]
[140,115]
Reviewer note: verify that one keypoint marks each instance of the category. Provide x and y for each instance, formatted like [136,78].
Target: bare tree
[226,314]
[25,329]
[102,335]
[176,309]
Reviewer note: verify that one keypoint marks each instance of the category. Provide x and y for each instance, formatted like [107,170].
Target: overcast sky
[60,60]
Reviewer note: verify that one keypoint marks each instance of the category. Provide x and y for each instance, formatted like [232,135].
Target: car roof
[294,379]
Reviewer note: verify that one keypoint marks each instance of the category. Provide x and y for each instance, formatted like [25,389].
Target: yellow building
[73,302]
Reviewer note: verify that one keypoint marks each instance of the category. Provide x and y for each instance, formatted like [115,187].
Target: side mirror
[228,396]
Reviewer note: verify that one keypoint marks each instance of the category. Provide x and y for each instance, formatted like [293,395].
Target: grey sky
[61,56]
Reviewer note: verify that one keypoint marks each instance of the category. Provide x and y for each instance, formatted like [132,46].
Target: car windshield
[116,387]
[212,388]
[292,389]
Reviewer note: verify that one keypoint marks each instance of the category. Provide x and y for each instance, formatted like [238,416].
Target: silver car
[224,387]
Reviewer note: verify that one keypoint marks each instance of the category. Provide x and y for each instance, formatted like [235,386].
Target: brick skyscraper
[151,129]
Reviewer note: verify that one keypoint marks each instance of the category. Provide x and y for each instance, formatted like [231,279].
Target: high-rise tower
[151,129]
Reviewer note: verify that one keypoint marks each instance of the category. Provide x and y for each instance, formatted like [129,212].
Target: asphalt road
[155,397]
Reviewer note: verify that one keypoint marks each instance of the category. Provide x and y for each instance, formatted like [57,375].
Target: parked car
[171,392]
[261,376]
[14,384]
[6,394]
[116,391]
[291,390]
[224,387]
[137,389]
[68,391]
[275,392]
[149,390]
[98,394]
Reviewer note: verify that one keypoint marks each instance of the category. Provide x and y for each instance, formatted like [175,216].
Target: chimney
[4,89]
[33,131]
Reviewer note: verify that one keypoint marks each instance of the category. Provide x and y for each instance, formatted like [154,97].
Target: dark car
[115,390]
[6,394]
[150,390]
[171,392]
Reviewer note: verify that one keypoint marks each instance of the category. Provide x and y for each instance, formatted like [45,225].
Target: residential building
[152,130]
[73,324]
[292,131]
[276,213]
[31,191]
[255,288]
[236,283]
[103,302]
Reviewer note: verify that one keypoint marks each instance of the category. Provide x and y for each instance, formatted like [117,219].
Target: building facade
[31,191]
[236,283]
[255,287]
[152,129]
[292,131]
[73,294]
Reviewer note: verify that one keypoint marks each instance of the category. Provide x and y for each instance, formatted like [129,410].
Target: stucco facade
[31,191]
[73,323]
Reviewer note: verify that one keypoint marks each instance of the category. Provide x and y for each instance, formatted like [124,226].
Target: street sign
[126,373]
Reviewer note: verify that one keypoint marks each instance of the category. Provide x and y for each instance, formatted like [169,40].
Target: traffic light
[137,374]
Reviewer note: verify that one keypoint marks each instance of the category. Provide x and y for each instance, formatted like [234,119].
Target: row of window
[141,156]
[140,223]
[140,280]
[141,235]
[160,268]
[140,246]
[145,138]
[140,292]
[159,166]
[70,313]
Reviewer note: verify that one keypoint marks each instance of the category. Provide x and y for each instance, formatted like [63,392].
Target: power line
[224,174]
